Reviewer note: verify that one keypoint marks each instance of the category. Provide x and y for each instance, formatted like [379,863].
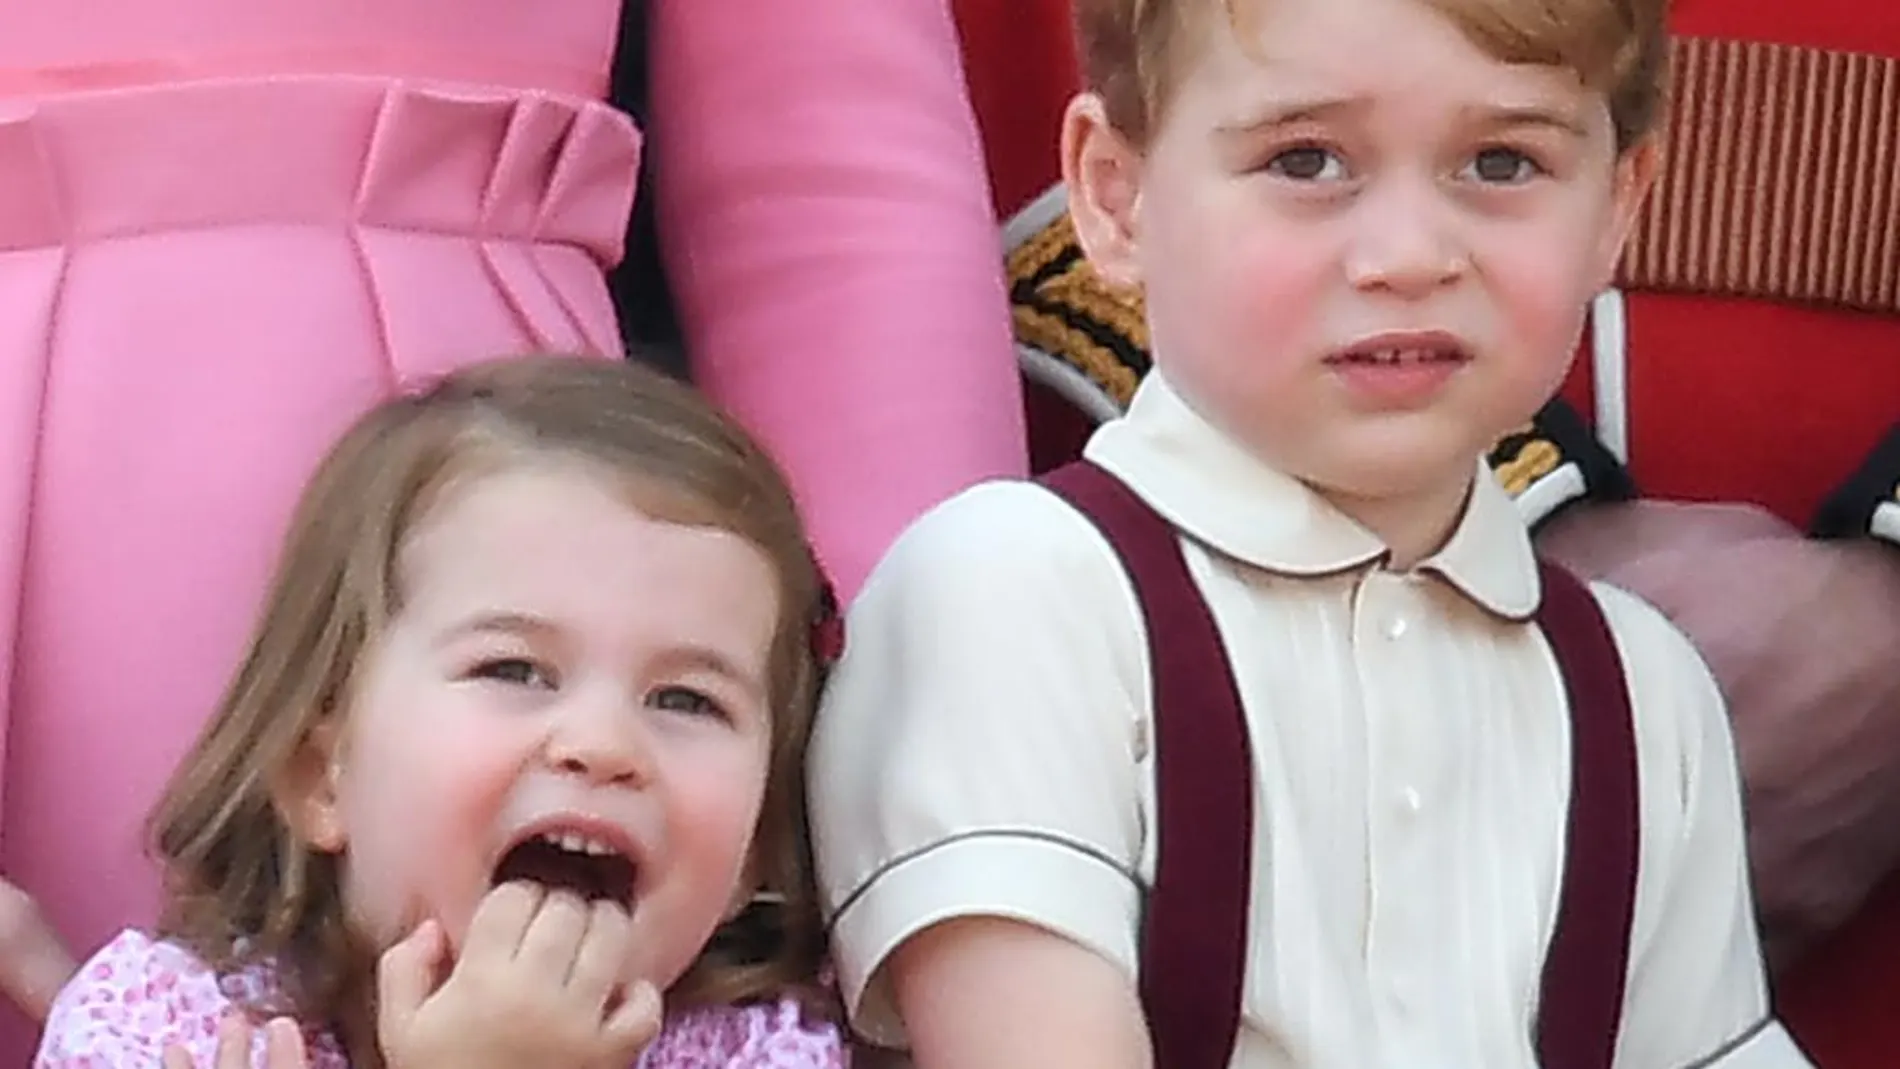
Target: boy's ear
[305,792]
[1103,174]
[1635,173]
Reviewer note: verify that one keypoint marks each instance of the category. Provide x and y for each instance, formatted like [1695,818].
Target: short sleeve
[977,752]
[130,1001]
[1697,990]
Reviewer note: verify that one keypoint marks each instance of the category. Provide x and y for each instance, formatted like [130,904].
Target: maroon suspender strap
[1194,929]
[1580,1007]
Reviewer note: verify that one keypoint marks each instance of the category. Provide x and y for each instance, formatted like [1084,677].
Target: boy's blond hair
[1130,49]
[242,888]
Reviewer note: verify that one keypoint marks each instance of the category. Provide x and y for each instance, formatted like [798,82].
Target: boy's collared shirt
[984,750]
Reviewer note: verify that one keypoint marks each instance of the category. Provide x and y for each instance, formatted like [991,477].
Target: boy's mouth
[1402,356]
[596,867]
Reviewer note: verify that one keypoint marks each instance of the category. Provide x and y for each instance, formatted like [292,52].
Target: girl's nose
[602,738]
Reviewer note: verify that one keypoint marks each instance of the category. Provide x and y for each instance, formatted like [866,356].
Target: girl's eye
[1308,163]
[685,700]
[516,671]
[1503,166]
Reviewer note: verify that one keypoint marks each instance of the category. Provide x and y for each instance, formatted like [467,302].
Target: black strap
[1194,936]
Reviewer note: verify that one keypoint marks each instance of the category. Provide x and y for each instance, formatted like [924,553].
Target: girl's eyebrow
[502,622]
[690,657]
[686,657]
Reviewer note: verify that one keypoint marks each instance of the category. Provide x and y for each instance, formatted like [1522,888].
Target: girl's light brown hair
[1131,49]
[241,888]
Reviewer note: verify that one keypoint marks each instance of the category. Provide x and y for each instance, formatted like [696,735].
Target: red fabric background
[1729,400]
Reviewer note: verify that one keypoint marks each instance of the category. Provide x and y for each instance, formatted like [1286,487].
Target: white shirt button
[1396,627]
[1412,800]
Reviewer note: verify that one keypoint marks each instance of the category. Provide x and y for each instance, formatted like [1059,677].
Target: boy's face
[1367,246]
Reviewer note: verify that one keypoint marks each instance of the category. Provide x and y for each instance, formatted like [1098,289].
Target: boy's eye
[1308,163]
[685,700]
[518,671]
[1503,166]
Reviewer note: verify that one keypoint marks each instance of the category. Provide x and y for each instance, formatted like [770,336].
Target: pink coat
[228,225]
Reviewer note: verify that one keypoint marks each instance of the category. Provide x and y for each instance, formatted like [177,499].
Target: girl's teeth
[575,843]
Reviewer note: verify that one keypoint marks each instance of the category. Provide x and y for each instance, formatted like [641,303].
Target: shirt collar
[1217,492]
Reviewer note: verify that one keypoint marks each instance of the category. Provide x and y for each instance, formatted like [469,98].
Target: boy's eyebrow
[1287,112]
[1531,115]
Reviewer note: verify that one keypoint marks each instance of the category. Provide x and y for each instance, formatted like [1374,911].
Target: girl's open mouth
[572,861]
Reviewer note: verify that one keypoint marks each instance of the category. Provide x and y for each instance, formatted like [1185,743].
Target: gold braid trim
[1535,459]
[1053,335]
[1042,249]
[1063,308]
[1081,290]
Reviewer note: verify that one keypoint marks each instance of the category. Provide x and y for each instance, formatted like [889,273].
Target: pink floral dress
[140,995]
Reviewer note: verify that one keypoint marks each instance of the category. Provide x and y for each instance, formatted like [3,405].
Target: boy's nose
[603,739]
[1405,241]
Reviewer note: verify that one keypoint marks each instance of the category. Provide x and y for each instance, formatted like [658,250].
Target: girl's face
[572,692]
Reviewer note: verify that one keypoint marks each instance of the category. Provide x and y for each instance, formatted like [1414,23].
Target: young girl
[516,749]
[226,222]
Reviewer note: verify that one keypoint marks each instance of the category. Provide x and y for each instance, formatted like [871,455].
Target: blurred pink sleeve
[827,228]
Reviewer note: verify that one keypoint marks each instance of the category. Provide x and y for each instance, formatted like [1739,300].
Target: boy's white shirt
[984,750]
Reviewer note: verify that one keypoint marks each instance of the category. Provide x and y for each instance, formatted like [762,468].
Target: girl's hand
[537,983]
[34,964]
[283,1047]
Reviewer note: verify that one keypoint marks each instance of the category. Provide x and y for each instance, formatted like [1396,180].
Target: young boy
[1367,231]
